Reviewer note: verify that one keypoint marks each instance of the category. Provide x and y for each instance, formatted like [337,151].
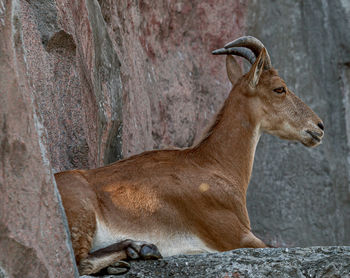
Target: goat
[191,200]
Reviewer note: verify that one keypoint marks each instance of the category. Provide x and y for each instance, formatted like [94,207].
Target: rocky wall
[60,109]
[34,239]
[300,196]
[172,85]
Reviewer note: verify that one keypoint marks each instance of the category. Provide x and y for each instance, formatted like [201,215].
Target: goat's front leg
[109,260]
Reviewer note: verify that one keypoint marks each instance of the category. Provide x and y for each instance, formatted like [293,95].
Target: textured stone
[76,81]
[300,196]
[172,85]
[34,239]
[60,109]
[279,262]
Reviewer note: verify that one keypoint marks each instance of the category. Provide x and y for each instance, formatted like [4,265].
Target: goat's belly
[169,244]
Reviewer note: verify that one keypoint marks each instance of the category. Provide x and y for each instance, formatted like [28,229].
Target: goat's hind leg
[249,240]
[110,260]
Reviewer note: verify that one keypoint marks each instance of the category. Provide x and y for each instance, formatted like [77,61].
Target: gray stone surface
[280,262]
[300,196]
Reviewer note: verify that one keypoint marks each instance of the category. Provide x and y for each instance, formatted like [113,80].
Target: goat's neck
[233,139]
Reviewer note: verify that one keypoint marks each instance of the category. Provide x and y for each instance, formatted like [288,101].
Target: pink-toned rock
[172,85]
[34,240]
[75,75]
[89,77]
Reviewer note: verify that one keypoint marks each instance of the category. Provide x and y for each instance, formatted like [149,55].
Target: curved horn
[253,44]
[239,51]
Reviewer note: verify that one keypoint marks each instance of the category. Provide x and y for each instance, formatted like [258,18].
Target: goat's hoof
[86,267]
[132,253]
[118,268]
[142,250]
[150,252]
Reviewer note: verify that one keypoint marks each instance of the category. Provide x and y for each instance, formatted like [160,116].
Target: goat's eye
[280,90]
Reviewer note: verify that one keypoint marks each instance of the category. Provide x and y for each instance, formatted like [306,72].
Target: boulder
[34,239]
[300,196]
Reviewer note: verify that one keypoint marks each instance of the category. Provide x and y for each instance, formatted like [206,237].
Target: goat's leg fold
[110,260]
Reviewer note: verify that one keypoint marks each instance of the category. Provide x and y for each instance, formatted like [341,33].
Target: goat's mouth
[314,139]
[315,135]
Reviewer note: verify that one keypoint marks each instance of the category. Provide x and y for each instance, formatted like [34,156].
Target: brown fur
[200,190]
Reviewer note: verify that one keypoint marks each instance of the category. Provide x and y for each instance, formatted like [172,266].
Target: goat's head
[279,110]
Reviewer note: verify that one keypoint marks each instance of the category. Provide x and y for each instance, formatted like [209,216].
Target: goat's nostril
[321,126]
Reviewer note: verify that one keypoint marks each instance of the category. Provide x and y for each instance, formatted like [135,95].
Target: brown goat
[191,200]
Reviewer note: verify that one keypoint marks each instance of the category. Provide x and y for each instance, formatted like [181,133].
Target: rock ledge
[328,261]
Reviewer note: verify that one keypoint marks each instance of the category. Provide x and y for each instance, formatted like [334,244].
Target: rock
[34,238]
[76,81]
[300,196]
[162,106]
[277,262]
[60,108]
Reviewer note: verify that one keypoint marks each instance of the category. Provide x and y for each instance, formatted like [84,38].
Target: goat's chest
[168,243]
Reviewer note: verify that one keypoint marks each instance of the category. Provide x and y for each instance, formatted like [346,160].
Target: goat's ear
[257,69]
[233,69]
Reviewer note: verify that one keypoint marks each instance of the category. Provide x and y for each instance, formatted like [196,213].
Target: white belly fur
[168,244]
